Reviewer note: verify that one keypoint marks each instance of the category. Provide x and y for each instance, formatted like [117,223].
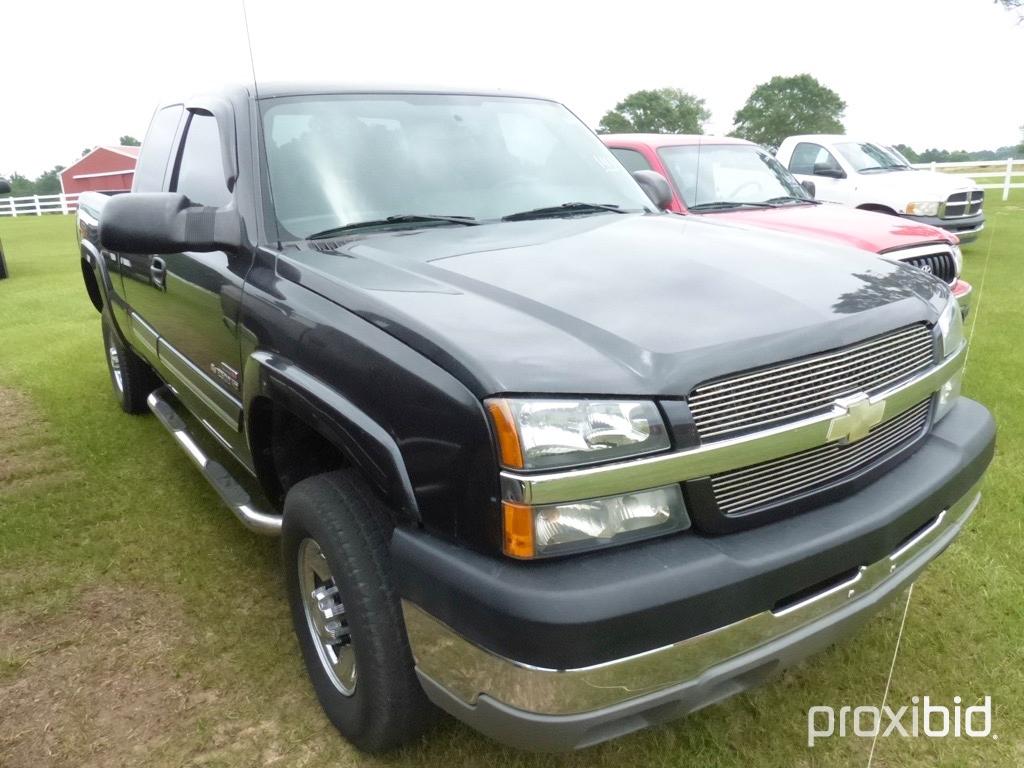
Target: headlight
[951,326]
[542,434]
[927,208]
[958,258]
[555,529]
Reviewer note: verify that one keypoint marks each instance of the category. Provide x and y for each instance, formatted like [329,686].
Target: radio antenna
[259,125]
[252,60]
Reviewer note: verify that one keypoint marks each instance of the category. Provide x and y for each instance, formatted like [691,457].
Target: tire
[130,377]
[333,521]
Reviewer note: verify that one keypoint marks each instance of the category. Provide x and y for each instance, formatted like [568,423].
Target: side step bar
[233,494]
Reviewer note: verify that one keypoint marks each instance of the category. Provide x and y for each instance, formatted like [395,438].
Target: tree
[21,186]
[664,110]
[86,151]
[129,141]
[49,182]
[907,152]
[785,106]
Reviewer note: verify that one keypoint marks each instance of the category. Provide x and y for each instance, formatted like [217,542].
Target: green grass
[132,544]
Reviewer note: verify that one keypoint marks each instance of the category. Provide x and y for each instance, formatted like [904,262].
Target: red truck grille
[941,264]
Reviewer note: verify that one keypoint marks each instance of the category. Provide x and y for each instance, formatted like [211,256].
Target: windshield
[870,157]
[729,173]
[898,155]
[336,161]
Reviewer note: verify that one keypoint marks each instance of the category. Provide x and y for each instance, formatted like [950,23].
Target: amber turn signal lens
[518,530]
[511,453]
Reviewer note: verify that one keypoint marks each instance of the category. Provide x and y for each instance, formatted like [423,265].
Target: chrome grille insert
[773,481]
[773,396]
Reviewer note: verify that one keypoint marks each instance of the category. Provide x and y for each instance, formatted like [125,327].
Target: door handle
[158,273]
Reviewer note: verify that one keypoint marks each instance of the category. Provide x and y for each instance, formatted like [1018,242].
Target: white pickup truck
[874,177]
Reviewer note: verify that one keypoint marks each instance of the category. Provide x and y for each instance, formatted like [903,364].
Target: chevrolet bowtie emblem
[860,417]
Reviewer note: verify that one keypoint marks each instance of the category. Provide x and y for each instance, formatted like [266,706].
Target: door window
[631,159]
[809,159]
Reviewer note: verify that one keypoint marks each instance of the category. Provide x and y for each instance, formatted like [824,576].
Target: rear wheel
[346,613]
[130,377]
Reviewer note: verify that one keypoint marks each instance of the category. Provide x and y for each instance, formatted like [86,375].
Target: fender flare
[369,445]
[91,259]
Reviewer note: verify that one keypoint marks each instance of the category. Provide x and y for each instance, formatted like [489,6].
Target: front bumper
[482,635]
[966,228]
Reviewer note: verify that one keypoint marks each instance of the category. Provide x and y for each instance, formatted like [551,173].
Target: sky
[928,73]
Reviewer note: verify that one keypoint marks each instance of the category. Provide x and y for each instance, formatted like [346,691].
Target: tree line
[48,182]
[781,107]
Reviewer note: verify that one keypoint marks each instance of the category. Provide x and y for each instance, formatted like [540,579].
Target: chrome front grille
[772,482]
[961,204]
[941,264]
[785,393]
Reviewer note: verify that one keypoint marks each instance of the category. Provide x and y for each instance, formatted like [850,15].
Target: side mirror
[167,222]
[808,186]
[829,171]
[656,186]
[5,186]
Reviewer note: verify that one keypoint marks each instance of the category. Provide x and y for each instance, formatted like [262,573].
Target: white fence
[1009,169]
[37,205]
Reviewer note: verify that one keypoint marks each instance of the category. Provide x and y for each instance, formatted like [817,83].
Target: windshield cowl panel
[375,159]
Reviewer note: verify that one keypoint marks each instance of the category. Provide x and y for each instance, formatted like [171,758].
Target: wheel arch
[286,407]
[94,275]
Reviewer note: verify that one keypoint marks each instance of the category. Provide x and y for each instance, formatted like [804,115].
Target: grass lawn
[141,625]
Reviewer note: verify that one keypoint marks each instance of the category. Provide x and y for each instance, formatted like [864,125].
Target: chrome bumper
[465,672]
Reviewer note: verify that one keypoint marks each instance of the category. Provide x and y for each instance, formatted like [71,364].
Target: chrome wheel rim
[325,617]
[115,367]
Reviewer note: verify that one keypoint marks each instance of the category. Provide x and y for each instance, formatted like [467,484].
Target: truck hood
[870,231]
[626,304]
[914,185]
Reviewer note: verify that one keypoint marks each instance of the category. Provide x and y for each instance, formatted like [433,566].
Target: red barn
[105,169]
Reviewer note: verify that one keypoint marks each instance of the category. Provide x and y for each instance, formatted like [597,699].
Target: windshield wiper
[782,200]
[725,205]
[468,221]
[882,168]
[564,209]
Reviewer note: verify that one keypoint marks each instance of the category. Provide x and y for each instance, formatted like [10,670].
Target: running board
[229,489]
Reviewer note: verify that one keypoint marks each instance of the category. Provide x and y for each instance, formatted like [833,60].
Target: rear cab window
[156,150]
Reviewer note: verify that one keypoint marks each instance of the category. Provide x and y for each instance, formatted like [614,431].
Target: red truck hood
[862,229]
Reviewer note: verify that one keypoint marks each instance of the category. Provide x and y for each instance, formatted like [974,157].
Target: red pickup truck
[743,183]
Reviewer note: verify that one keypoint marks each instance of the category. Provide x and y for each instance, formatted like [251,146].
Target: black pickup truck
[540,454]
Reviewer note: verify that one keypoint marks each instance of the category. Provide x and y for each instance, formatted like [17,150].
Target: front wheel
[130,377]
[346,613]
